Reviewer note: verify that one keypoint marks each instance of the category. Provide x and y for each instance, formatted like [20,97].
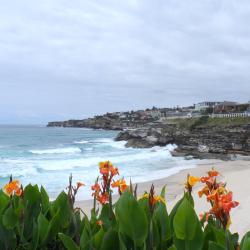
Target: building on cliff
[202,106]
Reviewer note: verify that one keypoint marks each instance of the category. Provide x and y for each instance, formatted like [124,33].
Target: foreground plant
[28,220]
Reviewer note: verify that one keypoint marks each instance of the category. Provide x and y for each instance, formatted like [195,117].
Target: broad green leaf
[31,194]
[97,239]
[245,242]
[110,240]
[61,204]
[132,219]
[4,201]
[163,192]
[44,200]
[215,246]
[68,242]
[172,248]
[10,219]
[185,221]
[161,219]
[86,236]
[43,227]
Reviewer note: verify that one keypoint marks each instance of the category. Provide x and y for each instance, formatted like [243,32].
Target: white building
[204,105]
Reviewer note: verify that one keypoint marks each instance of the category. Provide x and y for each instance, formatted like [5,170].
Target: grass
[191,123]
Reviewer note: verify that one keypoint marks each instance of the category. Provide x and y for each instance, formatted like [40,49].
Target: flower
[12,188]
[120,184]
[154,199]
[103,198]
[192,180]
[99,223]
[79,184]
[213,173]
[220,198]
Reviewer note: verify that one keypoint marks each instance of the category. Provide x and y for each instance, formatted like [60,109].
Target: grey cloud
[62,59]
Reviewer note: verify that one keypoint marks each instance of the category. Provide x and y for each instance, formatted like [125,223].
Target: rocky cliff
[201,140]
[202,137]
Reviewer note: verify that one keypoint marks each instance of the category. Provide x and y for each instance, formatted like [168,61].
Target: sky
[63,59]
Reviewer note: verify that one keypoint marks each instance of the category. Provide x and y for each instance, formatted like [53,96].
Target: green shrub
[30,221]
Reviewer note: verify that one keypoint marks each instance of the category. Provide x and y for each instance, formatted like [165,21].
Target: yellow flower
[155,199]
[192,180]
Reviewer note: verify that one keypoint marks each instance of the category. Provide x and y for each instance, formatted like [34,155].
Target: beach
[235,173]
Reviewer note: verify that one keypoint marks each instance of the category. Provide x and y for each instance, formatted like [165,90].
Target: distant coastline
[205,130]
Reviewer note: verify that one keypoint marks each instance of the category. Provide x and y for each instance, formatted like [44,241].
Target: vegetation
[30,221]
[191,123]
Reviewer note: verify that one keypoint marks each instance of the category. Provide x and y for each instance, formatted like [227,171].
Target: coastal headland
[200,133]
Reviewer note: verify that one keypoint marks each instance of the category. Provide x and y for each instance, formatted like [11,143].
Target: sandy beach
[235,173]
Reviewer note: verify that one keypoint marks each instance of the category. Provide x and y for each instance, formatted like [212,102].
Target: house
[231,107]
[202,106]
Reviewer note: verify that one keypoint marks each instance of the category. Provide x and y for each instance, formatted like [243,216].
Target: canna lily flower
[204,191]
[104,167]
[103,198]
[213,173]
[192,180]
[79,184]
[114,171]
[120,184]
[153,200]
[99,223]
[12,188]
[96,187]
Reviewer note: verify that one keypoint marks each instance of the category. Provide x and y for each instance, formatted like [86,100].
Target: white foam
[69,150]
[81,142]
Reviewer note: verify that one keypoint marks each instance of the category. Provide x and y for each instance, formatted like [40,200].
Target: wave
[111,143]
[89,162]
[69,150]
[81,142]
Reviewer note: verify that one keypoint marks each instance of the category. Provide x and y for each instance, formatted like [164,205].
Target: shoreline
[235,173]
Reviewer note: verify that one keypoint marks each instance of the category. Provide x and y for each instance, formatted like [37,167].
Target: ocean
[47,156]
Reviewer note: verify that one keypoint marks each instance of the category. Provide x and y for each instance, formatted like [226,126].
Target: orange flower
[96,187]
[154,200]
[204,190]
[120,184]
[213,173]
[12,188]
[99,223]
[105,167]
[114,171]
[79,184]
[103,198]
[192,180]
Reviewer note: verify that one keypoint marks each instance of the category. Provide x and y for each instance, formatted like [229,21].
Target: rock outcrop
[201,142]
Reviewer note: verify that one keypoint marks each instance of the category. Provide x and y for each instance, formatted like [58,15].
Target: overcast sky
[74,59]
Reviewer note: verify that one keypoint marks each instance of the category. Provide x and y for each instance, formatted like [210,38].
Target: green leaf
[185,221]
[162,221]
[62,204]
[31,194]
[110,240]
[86,236]
[172,248]
[68,242]
[43,227]
[97,239]
[44,200]
[4,201]
[245,242]
[10,219]
[132,218]
[163,192]
[215,246]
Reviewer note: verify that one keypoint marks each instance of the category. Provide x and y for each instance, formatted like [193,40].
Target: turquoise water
[47,156]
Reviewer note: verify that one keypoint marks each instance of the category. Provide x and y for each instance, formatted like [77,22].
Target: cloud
[61,59]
